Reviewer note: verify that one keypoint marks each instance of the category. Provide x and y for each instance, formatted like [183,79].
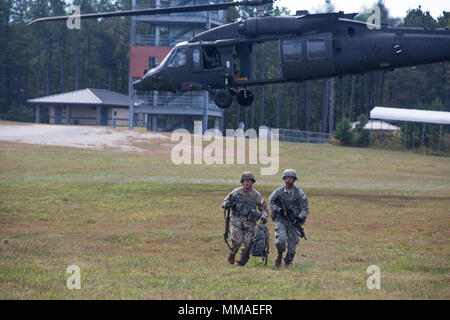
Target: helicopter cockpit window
[179,59]
[316,48]
[292,50]
[211,57]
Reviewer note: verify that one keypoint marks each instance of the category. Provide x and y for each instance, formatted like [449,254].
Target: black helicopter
[312,46]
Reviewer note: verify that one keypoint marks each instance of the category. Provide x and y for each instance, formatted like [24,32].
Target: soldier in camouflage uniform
[248,206]
[289,206]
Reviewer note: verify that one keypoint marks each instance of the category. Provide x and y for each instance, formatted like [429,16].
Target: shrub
[20,113]
[344,132]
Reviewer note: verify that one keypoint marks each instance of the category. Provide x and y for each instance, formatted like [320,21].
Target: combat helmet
[290,173]
[248,175]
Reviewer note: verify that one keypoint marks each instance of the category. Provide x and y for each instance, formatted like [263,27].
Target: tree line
[48,58]
[319,105]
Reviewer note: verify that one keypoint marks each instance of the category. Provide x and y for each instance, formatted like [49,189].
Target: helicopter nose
[139,85]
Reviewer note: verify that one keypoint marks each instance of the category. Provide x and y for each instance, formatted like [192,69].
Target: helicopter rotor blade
[144,12]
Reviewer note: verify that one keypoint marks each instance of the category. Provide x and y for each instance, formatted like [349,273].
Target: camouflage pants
[242,231]
[286,235]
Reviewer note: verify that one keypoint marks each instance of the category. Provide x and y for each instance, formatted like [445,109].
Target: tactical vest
[245,204]
[294,201]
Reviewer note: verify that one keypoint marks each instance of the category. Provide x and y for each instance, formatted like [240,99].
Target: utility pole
[131,91]
[331,124]
[205,94]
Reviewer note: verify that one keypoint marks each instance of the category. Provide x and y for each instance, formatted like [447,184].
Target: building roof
[378,125]
[85,97]
[410,115]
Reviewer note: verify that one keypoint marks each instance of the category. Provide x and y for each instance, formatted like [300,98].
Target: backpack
[260,243]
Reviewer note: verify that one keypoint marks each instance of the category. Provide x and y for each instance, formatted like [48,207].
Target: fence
[187,101]
[432,139]
[303,136]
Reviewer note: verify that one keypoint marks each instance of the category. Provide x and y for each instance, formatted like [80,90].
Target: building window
[316,48]
[292,50]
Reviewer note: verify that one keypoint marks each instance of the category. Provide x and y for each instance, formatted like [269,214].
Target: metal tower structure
[152,38]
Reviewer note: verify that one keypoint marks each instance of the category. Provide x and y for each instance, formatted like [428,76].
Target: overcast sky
[397,8]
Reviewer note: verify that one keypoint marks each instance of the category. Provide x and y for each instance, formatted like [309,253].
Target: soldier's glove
[299,221]
[227,205]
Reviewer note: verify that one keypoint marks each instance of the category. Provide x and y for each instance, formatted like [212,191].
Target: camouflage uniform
[286,234]
[243,219]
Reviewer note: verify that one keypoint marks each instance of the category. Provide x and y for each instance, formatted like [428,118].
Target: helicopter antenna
[259,11]
[144,12]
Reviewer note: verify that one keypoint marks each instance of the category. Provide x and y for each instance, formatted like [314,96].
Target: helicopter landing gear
[223,98]
[245,97]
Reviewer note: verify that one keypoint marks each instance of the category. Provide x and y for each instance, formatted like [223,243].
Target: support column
[68,114]
[447,141]
[440,138]
[331,121]
[217,123]
[206,95]
[98,115]
[423,135]
[404,138]
[131,91]
[38,114]
[149,122]
[154,119]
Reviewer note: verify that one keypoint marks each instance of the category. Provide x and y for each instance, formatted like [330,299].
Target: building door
[58,115]
[104,118]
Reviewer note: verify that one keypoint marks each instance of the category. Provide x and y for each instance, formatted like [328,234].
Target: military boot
[279,258]
[231,258]
[243,260]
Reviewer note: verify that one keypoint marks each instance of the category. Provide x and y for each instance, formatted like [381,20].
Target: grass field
[140,227]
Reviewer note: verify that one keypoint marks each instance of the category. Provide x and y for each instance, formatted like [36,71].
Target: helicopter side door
[307,57]
[207,67]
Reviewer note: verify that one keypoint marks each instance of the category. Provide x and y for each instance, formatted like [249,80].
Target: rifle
[295,221]
[300,230]
[226,216]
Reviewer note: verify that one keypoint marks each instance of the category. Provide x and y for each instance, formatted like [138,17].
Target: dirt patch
[77,136]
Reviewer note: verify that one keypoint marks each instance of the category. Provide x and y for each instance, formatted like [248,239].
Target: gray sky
[397,8]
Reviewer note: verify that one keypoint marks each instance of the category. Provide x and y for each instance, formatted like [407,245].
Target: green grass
[140,227]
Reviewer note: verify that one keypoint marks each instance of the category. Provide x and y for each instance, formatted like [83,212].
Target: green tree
[344,132]
[362,135]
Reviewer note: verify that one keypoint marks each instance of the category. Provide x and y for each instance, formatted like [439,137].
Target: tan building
[85,107]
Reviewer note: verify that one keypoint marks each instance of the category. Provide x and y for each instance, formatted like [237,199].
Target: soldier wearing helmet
[248,206]
[289,206]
